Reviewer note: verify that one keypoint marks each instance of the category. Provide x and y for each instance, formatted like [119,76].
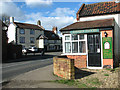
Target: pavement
[39,78]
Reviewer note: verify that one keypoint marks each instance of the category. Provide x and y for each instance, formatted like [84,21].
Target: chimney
[54,29]
[38,23]
[11,19]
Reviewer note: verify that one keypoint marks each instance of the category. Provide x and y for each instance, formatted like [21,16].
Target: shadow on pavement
[81,73]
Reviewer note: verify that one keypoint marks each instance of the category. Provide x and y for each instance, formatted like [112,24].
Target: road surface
[12,69]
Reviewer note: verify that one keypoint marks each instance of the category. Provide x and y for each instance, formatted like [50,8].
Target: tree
[6,19]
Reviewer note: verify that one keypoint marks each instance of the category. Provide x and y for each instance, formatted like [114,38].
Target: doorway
[94,50]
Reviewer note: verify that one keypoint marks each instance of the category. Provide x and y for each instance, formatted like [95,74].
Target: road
[12,69]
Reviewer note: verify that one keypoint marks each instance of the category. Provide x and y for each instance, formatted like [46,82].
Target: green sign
[107,48]
[84,31]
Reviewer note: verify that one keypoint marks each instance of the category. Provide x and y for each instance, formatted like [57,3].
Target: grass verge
[73,83]
[106,74]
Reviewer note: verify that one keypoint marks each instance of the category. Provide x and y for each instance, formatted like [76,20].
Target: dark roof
[98,9]
[90,24]
[51,35]
[41,37]
[28,26]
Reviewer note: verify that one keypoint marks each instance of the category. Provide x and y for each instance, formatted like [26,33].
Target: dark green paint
[107,53]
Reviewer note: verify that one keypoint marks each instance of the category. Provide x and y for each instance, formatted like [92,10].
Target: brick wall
[64,67]
[80,61]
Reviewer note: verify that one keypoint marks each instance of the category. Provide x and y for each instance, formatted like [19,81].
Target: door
[94,50]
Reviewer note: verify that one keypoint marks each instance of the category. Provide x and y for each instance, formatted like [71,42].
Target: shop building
[94,40]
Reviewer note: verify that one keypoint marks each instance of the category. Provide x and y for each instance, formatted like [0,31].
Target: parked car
[33,50]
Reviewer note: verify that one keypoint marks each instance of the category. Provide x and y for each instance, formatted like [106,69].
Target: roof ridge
[101,2]
[25,23]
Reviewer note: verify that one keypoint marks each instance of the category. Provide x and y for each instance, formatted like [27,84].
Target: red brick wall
[64,67]
[80,61]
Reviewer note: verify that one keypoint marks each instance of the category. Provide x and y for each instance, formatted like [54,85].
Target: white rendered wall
[41,43]
[115,16]
[11,33]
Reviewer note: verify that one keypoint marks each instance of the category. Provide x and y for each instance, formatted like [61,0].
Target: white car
[33,49]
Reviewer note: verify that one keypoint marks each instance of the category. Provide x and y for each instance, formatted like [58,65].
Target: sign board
[84,31]
[107,47]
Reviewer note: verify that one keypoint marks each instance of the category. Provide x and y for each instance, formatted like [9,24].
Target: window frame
[20,40]
[32,30]
[33,39]
[71,52]
[20,31]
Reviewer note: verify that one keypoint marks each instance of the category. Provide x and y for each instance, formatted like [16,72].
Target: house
[51,40]
[24,34]
[29,35]
[93,41]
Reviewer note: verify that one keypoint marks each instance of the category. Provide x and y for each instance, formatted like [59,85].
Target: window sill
[74,54]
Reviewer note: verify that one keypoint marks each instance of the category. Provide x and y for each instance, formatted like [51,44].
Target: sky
[51,13]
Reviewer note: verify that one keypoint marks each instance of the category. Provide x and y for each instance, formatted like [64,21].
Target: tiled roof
[90,24]
[28,26]
[98,9]
[51,35]
[41,37]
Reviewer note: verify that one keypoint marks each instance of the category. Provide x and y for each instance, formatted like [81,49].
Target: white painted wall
[41,43]
[115,16]
[11,32]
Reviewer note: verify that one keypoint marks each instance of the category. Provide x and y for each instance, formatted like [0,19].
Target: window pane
[22,39]
[91,48]
[74,37]
[74,47]
[82,47]
[31,39]
[67,47]
[67,37]
[22,31]
[32,32]
[81,36]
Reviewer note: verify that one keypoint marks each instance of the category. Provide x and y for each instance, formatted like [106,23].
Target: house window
[22,31]
[32,31]
[32,40]
[22,39]
[74,43]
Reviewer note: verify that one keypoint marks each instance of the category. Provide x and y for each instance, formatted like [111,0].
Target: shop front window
[74,43]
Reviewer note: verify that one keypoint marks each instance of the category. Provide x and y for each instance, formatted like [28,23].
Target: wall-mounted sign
[84,31]
[107,45]
[107,48]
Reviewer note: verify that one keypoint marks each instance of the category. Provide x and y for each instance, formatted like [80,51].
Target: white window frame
[63,41]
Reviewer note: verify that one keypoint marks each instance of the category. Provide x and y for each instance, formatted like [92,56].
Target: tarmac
[39,78]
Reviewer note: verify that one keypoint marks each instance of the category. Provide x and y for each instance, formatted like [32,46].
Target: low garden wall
[64,67]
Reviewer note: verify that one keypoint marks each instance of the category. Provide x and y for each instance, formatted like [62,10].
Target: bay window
[74,43]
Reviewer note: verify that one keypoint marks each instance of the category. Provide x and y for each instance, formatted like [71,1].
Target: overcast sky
[51,13]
